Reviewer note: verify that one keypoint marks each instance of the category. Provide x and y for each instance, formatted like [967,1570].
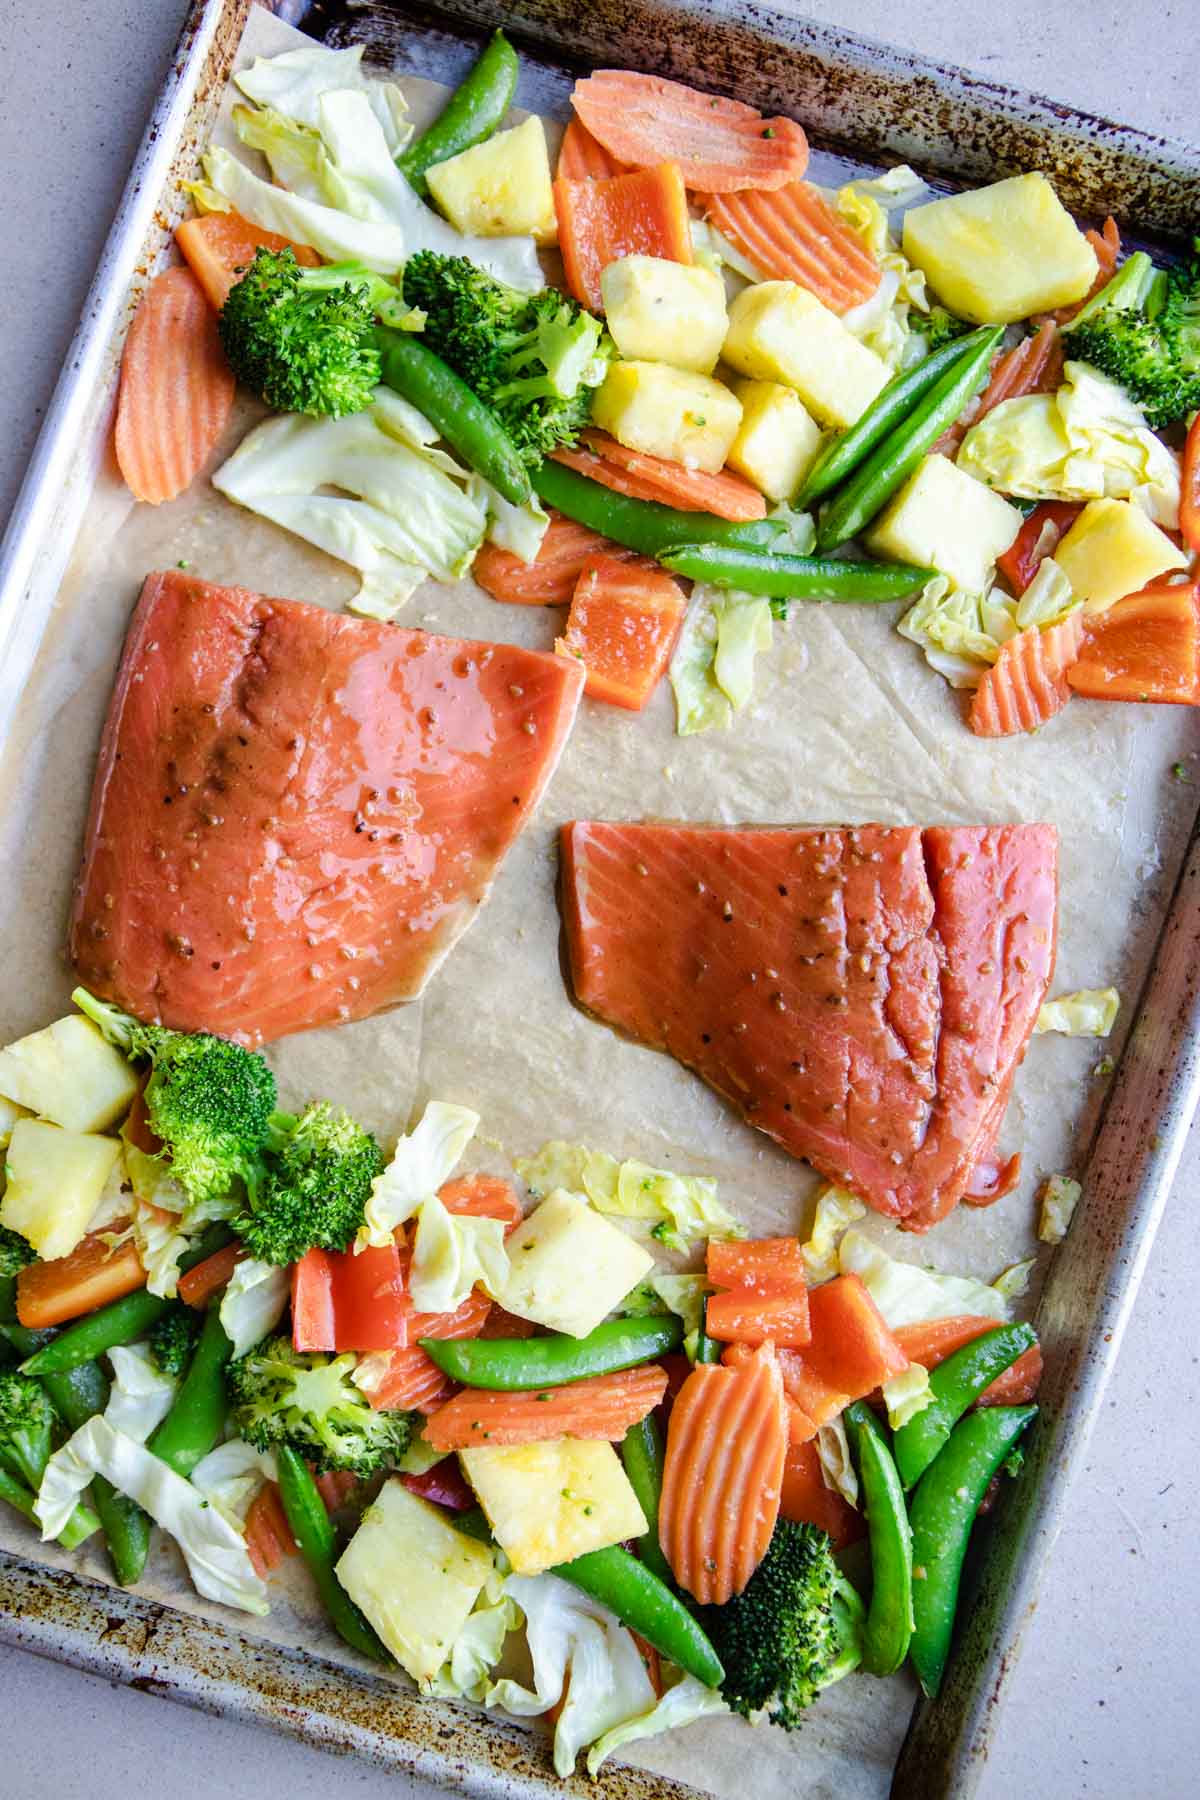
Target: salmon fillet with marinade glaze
[296,812]
[863,995]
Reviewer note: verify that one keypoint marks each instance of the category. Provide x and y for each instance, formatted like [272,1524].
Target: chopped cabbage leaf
[231,1477]
[466,1673]
[292,84]
[254,1301]
[682,1208]
[213,1549]
[141,1395]
[896,187]
[1012,1282]
[571,1166]
[294,153]
[836,1209]
[683,1703]
[743,629]
[336,236]
[961,633]
[516,528]
[906,1395]
[420,1163]
[582,1656]
[837,1465]
[115,1203]
[1060,1196]
[1047,599]
[908,1295]
[404,510]
[882,321]
[1089,1012]
[451,1255]
[160,1244]
[712,670]
[799,534]
[683,1295]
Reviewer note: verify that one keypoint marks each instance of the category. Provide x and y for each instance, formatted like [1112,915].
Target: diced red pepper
[744,1316]
[341,1301]
[766,1265]
[1189,504]
[1023,558]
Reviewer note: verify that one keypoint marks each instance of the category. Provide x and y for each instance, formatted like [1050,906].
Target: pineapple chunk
[999,253]
[778,331]
[9,1114]
[778,438]
[414,1576]
[69,1073]
[501,187]
[1112,550]
[663,311]
[55,1179]
[947,520]
[568,1267]
[549,1503]
[676,413]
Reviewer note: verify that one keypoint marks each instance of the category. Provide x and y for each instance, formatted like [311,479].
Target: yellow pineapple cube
[663,311]
[55,1180]
[1112,550]
[568,1267]
[778,438]
[999,253]
[70,1073]
[946,520]
[501,187]
[549,1503]
[676,413]
[778,331]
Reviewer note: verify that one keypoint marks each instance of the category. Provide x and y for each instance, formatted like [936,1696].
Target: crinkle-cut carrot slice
[1034,366]
[582,158]
[807,1499]
[403,1380]
[932,1341]
[550,579]
[722,1474]
[268,1535]
[1027,684]
[1107,245]
[793,234]
[726,494]
[219,247]
[766,1265]
[722,145]
[467,1320]
[623,623]
[643,213]
[603,1406]
[747,1316]
[1146,647]
[176,389]
[482,1197]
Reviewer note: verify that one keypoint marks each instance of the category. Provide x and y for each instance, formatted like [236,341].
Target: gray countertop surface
[1104,1702]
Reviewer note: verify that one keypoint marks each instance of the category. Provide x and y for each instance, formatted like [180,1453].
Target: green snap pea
[941,1513]
[310,1526]
[77,1395]
[121,1322]
[892,462]
[472,113]
[708,1350]
[796,577]
[843,453]
[955,1385]
[197,1417]
[81,1525]
[644,1603]
[889,1626]
[419,376]
[642,1455]
[509,1364]
[643,525]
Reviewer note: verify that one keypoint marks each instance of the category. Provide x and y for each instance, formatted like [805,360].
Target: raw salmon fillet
[296,813]
[863,995]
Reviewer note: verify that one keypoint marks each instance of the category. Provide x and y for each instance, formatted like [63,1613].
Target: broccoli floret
[793,1630]
[316,1188]
[16,1253]
[284,1396]
[173,1337]
[26,1423]
[938,326]
[210,1101]
[1143,330]
[533,358]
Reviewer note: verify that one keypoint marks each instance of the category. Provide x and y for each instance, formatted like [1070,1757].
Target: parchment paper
[848,725]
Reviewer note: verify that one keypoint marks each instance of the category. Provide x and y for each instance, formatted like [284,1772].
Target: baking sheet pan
[495,1028]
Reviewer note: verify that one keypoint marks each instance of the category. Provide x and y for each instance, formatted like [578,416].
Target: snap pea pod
[77,1395]
[955,1385]
[941,1513]
[419,376]
[197,1417]
[644,1603]
[310,1526]
[892,462]
[121,1322]
[81,1525]
[643,525]
[471,114]
[889,1626]
[642,1455]
[796,577]
[708,1350]
[508,1364]
[843,453]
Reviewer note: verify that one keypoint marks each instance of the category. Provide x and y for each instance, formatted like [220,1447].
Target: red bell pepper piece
[341,1301]
[1023,558]
[1189,504]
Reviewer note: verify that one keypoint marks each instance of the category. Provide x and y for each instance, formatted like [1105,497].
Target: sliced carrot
[1107,245]
[722,144]
[1146,647]
[644,477]
[550,579]
[335,1487]
[623,623]
[137,1129]
[219,247]
[744,1316]
[1027,684]
[403,1381]
[482,1197]
[808,1500]
[268,1535]
[767,1265]
[793,234]
[601,221]
[852,1350]
[92,1275]
[176,389]
[812,1399]
[932,1341]
[198,1285]
[582,158]
[603,1406]
[722,1475]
